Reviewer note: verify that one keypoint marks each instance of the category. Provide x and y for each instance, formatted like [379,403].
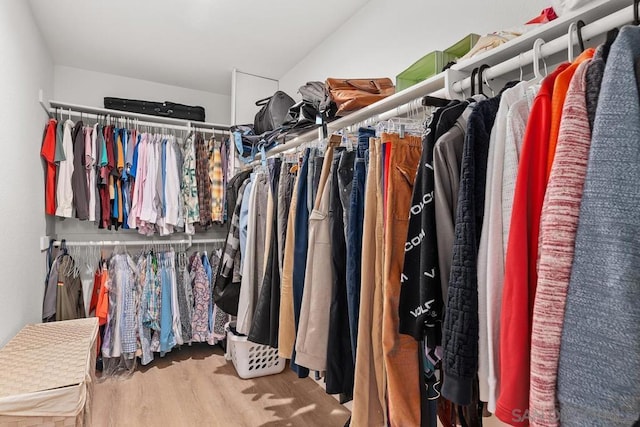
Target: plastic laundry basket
[251,360]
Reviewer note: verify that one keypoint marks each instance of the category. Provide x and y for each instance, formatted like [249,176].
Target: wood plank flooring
[196,386]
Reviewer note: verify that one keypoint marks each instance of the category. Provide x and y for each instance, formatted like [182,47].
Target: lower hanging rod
[188,242]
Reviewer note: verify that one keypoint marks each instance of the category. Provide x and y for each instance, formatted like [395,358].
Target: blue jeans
[313,176]
[354,233]
[300,252]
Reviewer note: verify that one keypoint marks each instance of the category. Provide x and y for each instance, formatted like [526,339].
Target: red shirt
[520,276]
[48,153]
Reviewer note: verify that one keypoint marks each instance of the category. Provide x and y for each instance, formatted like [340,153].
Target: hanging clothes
[203,180]
[313,326]
[369,403]
[521,256]
[253,268]
[264,327]
[227,284]
[502,166]
[201,295]
[64,189]
[601,310]
[216,178]
[69,295]
[560,211]
[48,153]
[190,187]
[340,362]
[185,296]
[301,223]
[400,350]
[286,319]
[219,317]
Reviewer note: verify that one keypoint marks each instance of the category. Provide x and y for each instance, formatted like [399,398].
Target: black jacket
[460,328]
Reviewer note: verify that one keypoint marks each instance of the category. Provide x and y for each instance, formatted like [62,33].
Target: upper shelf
[547,32]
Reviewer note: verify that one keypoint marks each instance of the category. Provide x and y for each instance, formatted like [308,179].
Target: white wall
[25,68]
[85,87]
[247,90]
[387,36]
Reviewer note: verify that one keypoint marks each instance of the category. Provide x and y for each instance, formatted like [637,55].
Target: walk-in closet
[364,213]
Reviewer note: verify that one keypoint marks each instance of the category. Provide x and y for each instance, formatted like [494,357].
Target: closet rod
[156,125]
[146,117]
[560,44]
[189,242]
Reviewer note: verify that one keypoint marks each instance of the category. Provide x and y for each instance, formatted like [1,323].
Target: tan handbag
[354,94]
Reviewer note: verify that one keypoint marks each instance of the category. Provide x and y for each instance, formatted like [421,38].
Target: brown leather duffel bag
[354,94]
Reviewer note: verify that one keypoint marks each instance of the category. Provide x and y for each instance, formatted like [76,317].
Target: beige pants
[369,402]
[287,327]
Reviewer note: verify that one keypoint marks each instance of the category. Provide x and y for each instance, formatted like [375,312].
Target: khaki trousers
[287,327]
[313,327]
[369,401]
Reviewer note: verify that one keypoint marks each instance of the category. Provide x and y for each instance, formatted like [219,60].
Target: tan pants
[400,351]
[287,327]
[369,401]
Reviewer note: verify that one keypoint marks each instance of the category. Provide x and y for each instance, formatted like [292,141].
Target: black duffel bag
[162,109]
[274,112]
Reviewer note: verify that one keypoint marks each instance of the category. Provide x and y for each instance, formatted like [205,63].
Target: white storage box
[251,360]
[47,373]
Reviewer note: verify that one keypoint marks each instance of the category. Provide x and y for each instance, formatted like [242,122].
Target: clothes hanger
[432,101]
[537,56]
[577,28]
[611,37]
[474,73]
[482,82]
[521,68]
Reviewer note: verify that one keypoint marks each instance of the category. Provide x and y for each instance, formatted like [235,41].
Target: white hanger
[537,56]
[572,29]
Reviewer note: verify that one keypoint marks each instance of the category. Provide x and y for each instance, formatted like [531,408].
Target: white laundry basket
[251,360]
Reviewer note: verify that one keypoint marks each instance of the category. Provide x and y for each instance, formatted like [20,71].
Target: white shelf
[547,32]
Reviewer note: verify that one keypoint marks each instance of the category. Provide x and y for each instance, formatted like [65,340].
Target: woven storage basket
[251,360]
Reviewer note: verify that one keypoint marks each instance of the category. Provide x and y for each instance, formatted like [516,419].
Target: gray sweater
[599,372]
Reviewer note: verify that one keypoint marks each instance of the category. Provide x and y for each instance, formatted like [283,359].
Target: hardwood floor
[196,386]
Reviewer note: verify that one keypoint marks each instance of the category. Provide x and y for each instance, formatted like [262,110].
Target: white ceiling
[189,43]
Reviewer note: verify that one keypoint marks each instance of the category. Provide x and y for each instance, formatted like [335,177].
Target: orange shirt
[102,308]
[120,167]
[560,88]
[48,152]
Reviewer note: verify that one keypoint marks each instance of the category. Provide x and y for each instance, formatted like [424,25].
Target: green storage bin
[427,66]
[463,47]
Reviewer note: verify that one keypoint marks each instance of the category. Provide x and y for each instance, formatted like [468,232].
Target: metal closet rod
[188,242]
[402,102]
[156,125]
[117,113]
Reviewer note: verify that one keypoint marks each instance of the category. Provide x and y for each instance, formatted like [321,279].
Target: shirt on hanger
[48,152]
[522,252]
[64,189]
